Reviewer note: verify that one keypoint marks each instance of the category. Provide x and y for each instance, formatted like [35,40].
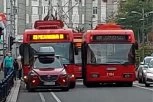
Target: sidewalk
[12,97]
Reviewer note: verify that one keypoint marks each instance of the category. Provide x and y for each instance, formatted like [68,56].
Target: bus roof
[47,35]
[87,36]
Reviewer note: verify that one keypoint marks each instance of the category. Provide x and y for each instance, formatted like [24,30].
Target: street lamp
[143,14]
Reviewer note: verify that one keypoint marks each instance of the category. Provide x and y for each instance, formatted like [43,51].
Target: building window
[94,10]
[35,10]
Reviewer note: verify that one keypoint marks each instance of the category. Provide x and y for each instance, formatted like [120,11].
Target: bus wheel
[87,84]
[130,84]
[72,85]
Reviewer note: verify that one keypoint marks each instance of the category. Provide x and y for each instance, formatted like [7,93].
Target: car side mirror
[142,63]
[65,66]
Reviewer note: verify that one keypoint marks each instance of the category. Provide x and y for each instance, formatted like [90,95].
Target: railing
[5,87]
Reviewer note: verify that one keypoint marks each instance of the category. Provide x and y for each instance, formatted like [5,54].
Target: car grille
[49,77]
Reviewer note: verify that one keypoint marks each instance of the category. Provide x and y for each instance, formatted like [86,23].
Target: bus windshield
[110,54]
[62,49]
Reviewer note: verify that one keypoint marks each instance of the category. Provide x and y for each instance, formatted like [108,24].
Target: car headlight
[32,73]
[149,74]
[63,73]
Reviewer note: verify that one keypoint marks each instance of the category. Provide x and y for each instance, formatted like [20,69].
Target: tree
[134,21]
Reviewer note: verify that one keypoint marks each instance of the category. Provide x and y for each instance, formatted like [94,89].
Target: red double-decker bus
[108,55]
[77,58]
[48,33]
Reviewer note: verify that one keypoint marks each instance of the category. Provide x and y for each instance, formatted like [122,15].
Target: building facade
[74,13]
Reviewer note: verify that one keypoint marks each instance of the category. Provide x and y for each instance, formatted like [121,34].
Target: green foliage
[133,21]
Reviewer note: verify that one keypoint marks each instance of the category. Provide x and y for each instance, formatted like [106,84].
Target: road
[137,93]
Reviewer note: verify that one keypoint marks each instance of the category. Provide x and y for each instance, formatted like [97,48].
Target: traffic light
[11,42]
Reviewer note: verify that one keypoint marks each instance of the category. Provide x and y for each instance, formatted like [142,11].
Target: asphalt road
[137,93]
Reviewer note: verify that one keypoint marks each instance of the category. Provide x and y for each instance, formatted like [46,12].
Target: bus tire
[72,85]
[130,84]
[87,84]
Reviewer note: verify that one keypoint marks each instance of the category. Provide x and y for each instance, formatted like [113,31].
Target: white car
[148,75]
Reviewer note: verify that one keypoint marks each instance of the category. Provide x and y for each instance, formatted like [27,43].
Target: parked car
[146,60]
[148,75]
[140,73]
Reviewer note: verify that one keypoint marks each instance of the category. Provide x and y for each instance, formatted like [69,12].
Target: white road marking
[55,97]
[42,97]
[136,85]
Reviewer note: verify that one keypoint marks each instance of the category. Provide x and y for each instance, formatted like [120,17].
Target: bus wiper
[125,63]
[114,62]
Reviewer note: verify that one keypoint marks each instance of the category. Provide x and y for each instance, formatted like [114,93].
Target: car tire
[30,89]
[72,85]
[139,79]
[65,89]
[147,85]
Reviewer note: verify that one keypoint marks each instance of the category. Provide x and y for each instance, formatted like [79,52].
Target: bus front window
[110,53]
[61,49]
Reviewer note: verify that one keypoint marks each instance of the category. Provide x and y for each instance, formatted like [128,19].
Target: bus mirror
[21,49]
[136,45]
[76,50]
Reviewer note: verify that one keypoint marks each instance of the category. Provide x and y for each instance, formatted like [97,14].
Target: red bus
[108,55]
[77,58]
[48,33]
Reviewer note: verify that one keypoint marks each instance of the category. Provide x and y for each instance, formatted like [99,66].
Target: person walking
[20,67]
[8,64]
[16,67]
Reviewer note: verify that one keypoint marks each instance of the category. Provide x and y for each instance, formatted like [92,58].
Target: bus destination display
[48,37]
[106,38]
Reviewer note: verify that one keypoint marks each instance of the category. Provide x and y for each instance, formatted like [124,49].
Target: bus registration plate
[110,74]
[49,83]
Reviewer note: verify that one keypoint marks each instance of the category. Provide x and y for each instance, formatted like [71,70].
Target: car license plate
[49,83]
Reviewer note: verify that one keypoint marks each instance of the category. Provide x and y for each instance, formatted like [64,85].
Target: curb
[12,97]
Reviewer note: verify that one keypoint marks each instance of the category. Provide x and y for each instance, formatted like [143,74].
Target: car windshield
[54,64]
[147,60]
[110,53]
[151,64]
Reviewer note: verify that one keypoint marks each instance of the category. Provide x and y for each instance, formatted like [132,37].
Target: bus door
[27,59]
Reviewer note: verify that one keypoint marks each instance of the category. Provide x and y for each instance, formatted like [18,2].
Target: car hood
[150,70]
[46,71]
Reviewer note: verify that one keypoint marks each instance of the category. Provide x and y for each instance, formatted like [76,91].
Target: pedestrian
[8,64]
[20,67]
[16,67]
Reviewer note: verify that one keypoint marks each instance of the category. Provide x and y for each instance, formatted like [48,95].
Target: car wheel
[30,89]
[139,79]
[65,89]
[72,85]
[147,85]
